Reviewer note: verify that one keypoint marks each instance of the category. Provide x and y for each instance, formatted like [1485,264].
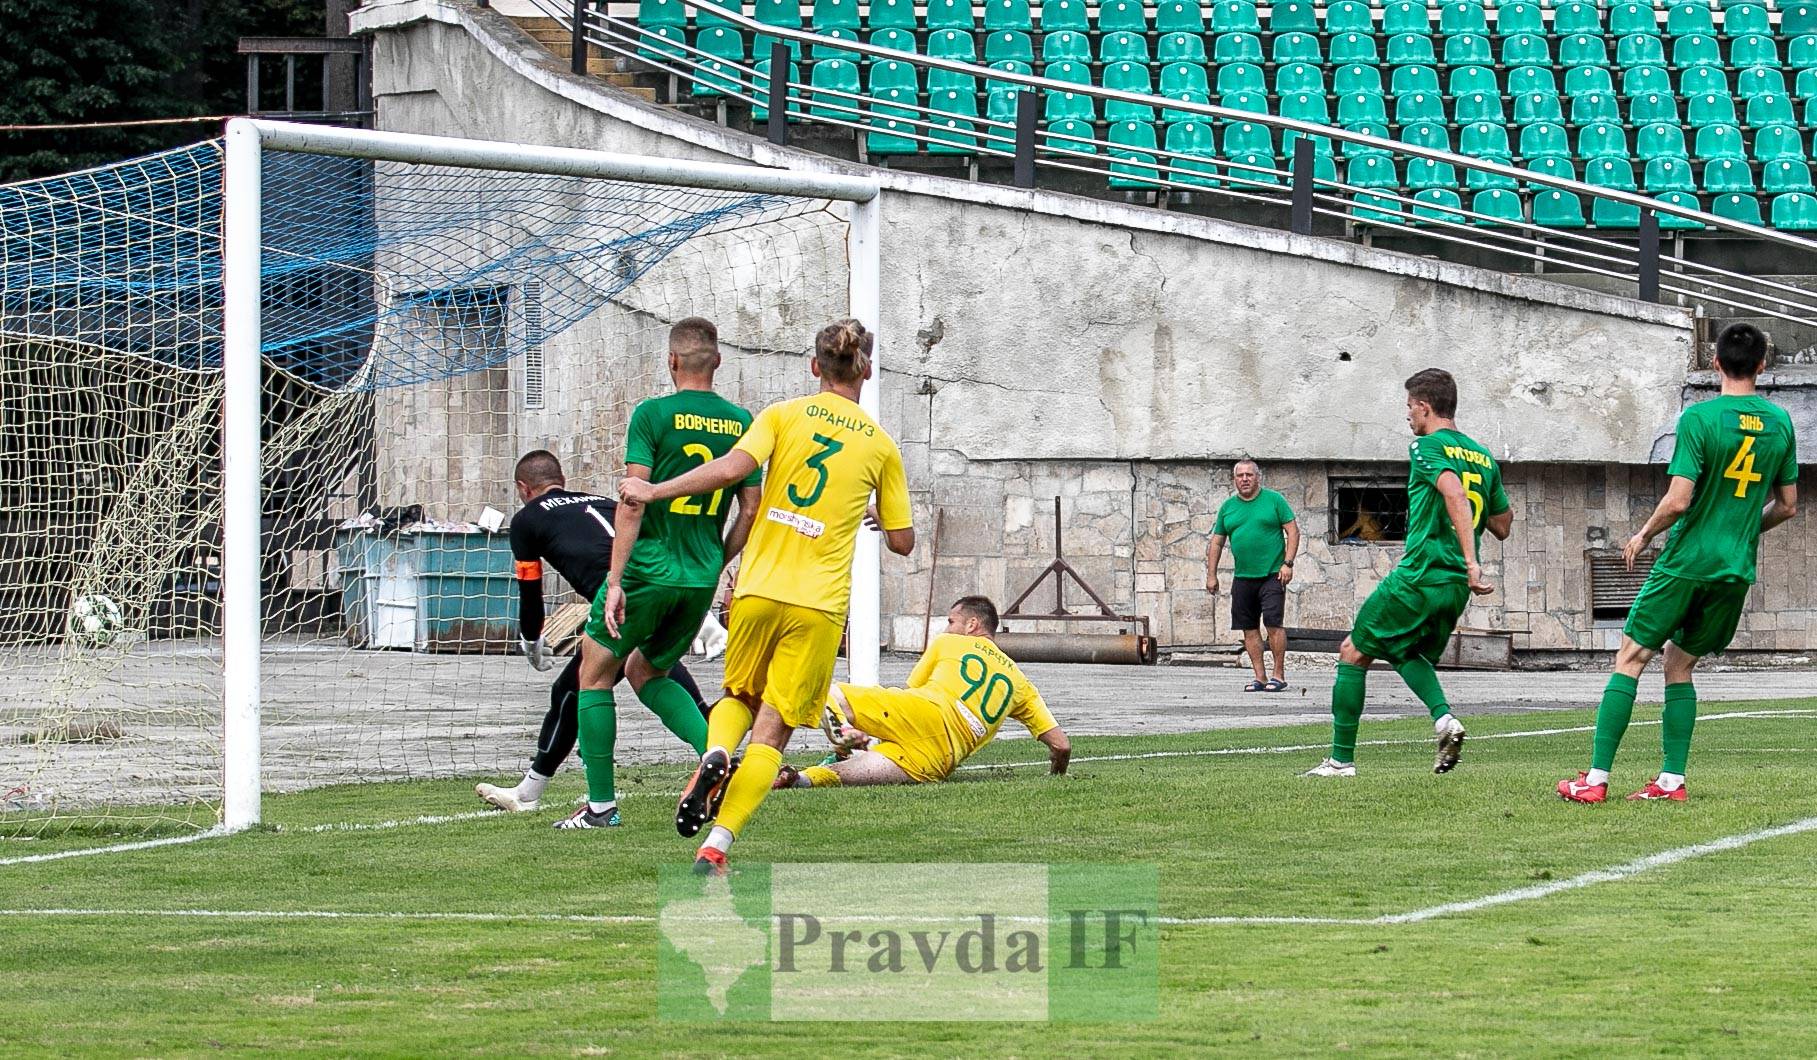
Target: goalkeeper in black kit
[571,532]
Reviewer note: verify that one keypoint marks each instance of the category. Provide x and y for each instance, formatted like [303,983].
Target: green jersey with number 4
[1432,550]
[1735,450]
[680,541]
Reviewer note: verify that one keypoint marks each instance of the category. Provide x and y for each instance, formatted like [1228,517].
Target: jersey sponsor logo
[842,420]
[529,570]
[689,421]
[979,729]
[1468,456]
[797,522]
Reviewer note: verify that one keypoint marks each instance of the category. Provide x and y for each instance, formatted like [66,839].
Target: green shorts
[1405,620]
[1699,617]
[660,620]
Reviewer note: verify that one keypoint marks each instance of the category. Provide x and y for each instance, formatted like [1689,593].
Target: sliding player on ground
[823,458]
[1734,476]
[572,532]
[1454,493]
[956,700]
[666,563]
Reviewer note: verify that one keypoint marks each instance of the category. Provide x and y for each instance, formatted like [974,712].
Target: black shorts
[1256,600]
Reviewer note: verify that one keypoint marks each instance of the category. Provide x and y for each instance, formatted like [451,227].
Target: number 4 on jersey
[1741,468]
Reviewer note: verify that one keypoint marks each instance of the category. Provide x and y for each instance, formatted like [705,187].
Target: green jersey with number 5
[1432,550]
[679,543]
[1734,450]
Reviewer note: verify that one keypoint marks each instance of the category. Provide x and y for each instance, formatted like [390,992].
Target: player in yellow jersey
[956,700]
[823,456]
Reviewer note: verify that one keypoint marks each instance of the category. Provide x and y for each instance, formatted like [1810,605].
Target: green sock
[678,711]
[1612,719]
[1346,711]
[1422,680]
[598,716]
[1675,725]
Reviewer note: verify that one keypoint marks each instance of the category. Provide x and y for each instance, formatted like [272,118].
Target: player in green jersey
[1454,493]
[1734,476]
[666,564]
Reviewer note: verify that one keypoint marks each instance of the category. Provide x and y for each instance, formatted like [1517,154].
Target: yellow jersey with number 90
[977,686]
[823,457]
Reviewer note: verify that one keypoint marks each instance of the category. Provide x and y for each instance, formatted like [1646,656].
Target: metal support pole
[1025,138]
[1649,256]
[1302,186]
[865,625]
[1059,553]
[578,60]
[779,95]
[252,84]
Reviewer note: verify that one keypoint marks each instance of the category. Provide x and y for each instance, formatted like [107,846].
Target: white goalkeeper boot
[506,799]
[1330,768]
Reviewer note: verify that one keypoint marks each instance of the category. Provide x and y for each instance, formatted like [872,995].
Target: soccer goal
[259,395]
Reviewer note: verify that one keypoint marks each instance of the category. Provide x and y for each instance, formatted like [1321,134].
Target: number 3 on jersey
[828,448]
[1741,468]
[688,505]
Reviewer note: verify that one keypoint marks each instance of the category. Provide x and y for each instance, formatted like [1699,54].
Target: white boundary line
[117,848]
[403,822]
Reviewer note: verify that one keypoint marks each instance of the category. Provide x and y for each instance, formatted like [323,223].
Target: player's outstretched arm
[1463,524]
[1675,503]
[1781,508]
[740,532]
[717,474]
[1059,750]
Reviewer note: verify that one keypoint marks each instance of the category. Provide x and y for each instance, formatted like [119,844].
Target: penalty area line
[116,848]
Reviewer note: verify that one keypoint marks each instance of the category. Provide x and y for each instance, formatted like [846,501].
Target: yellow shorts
[909,727]
[783,654]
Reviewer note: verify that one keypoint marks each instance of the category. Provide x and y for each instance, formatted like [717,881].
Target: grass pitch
[1708,954]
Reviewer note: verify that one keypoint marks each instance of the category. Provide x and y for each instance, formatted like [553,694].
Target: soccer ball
[95,620]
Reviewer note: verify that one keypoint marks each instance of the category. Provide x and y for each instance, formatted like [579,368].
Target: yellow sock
[749,787]
[821,777]
[727,724]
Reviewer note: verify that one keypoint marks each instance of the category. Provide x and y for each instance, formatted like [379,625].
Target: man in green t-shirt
[666,563]
[1454,493]
[1734,476]
[1264,539]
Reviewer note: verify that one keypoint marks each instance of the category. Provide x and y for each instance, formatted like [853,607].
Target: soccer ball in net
[95,620]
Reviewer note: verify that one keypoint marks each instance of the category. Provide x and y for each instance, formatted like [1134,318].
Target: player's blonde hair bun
[843,350]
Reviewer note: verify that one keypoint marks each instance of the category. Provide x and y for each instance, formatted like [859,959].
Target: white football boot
[506,798]
[1329,768]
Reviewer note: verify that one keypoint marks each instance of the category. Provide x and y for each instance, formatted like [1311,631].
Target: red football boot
[709,861]
[1654,791]
[1581,790]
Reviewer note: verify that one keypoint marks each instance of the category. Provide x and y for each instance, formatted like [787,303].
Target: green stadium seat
[1639,49]
[1728,175]
[1133,165]
[1525,80]
[1358,48]
[1668,174]
[833,14]
[827,51]
[1716,142]
[954,129]
[1477,106]
[1181,48]
[1253,170]
[1661,140]
[1068,106]
[1755,49]
[1602,140]
[1737,207]
[943,80]
[1057,15]
[1237,48]
[1373,172]
[1552,166]
[763,42]
[1630,18]
[1122,46]
[1653,107]
[1709,110]
[1695,49]
[1671,222]
[1419,107]
[1797,20]
[1805,85]
[1349,16]
[1557,209]
[1179,16]
[1432,135]
[1594,107]
[1010,15]
[1576,17]
[664,43]
[1115,15]
[1468,49]
[1293,16]
[1484,139]
[1795,212]
[1759,81]
[891,14]
[705,18]
[1069,71]
[1247,138]
[1241,77]
[1406,16]
[1066,45]
[1253,102]
[1519,17]
[1607,213]
[1306,106]
[1008,46]
[1641,80]
[1299,77]
[1358,78]
[1411,49]
[1686,19]
[1296,48]
[760,93]
[653,13]
[1185,95]
[1582,79]
[832,82]
[1480,180]
[1582,49]
[1741,19]
[1526,49]
[1434,205]
[1235,16]
[1786,175]
[1467,79]
[1617,173]
[1184,77]
[1321,149]
[1801,52]
[1407,80]
[1770,110]
[1379,130]
[1425,173]
[1498,206]
[1531,107]
[1779,142]
[889,73]
[716,75]
[785,13]
[892,132]
[1128,77]
[1001,97]
[1072,135]
[1463,17]
[895,39]
[1191,142]
[1544,140]
[955,44]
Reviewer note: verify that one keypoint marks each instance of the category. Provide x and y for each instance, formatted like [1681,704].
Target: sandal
[1275,684]
[1254,686]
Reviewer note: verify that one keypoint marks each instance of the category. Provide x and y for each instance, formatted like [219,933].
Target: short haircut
[1435,387]
[1250,462]
[980,608]
[694,341]
[843,351]
[1741,350]
[539,467]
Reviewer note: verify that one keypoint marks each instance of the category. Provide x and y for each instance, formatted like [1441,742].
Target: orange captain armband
[529,570]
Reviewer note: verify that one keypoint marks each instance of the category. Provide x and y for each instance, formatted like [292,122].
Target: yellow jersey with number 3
[823,457]
[978,686]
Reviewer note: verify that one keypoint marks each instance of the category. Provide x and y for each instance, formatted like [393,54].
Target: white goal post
[248,143]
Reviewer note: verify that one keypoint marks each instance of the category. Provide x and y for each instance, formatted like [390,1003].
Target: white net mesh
[423,326]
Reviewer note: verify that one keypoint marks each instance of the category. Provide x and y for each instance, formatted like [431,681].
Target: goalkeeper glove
[711,640]
[537,653]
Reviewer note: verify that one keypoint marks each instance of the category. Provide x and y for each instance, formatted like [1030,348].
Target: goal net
[420,325]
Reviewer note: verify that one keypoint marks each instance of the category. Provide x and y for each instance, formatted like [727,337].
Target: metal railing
[1139,168]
